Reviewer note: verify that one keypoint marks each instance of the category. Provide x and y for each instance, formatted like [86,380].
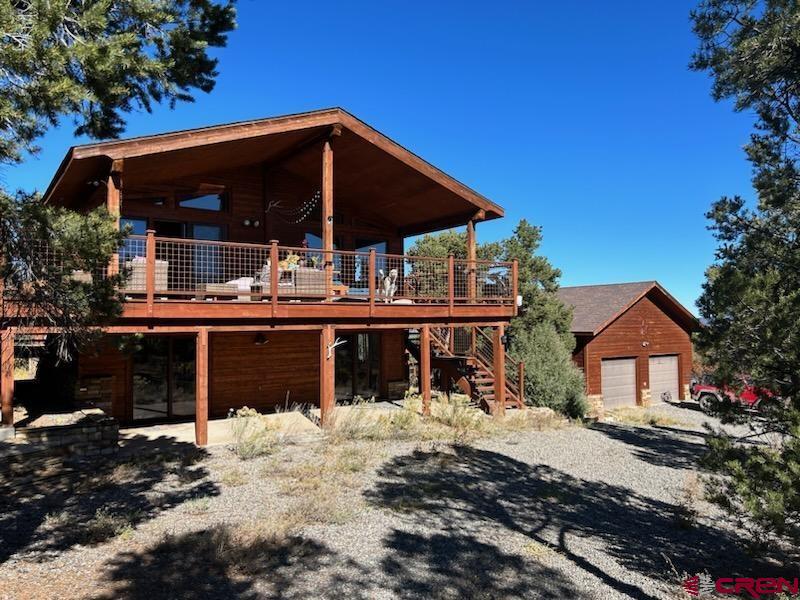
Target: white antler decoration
[331,347]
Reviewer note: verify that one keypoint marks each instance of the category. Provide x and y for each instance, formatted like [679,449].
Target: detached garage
[633,343]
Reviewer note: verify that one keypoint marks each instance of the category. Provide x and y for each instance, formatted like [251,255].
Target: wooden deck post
[327,370]
[274,274]
[327,215]
[473,346]
[7,376]
[201,388]
[499,352]
[425,368]
[451,284]
[113,205]
[150,270]
[515,284]
[373,281]
[472,280]
[521,378]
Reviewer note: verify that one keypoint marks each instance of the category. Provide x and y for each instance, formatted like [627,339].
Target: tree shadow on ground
[477,488]
[454,565]
[215,563]
[662,446]
[94,501]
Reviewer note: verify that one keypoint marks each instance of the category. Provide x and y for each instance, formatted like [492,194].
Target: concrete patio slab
[219,430]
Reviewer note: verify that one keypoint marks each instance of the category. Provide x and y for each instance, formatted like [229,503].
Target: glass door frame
[170,385]
[374,353]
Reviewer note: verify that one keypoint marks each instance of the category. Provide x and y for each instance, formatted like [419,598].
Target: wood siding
[394,366]
[249,190]
[242,373]
[643,323]
[106,360]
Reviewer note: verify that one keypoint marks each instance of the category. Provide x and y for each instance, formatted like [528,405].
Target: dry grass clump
[457,413]
[253,434]
[321,489]
[361,423]
[530,419]
[106,525]
[538,550]
[640,416]
[197,506]
[452,417]
[233,478]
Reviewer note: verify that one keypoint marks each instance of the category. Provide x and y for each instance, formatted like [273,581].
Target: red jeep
[706,392]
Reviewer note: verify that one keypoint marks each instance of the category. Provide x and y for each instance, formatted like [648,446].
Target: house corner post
[499,372]
[7,376]
[327,370]
[425,368]
[201,388]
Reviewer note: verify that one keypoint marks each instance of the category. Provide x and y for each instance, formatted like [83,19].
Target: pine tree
[92,61]
[751,298]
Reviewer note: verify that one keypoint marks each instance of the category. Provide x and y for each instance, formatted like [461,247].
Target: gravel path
[578,512]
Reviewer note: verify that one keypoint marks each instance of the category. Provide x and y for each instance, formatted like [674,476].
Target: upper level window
[215,201]
[135,226]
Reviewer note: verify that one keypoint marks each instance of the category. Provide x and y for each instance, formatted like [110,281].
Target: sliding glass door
[163,378]
[358,366]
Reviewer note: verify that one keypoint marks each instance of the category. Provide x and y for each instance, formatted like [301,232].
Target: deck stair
[467,362]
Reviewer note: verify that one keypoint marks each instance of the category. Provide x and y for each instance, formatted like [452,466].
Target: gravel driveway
[577,512]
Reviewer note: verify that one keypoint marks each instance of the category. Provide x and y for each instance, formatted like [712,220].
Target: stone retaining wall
[83,439]
[38,453]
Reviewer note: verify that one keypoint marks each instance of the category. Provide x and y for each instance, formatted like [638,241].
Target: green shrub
[551,378]
[252,434]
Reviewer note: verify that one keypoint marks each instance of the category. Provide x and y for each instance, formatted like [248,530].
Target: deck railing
[160,269]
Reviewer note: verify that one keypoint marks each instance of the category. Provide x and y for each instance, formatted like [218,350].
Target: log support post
[327,370]
[499,352]
[201,388]
[7,376]
[451,284]
[425,368]
[150,271]
[274,275]
[472,278]
[515,285]
[114,206]
[327,209]
[373,281]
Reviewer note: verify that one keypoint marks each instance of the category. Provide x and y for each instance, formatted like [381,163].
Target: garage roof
[595,307]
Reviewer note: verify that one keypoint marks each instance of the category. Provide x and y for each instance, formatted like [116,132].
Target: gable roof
[84,161]
[595,307]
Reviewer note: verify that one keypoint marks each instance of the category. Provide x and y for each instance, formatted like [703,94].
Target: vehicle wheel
[706,402]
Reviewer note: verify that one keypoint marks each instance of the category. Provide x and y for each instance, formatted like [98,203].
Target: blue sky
[581,117]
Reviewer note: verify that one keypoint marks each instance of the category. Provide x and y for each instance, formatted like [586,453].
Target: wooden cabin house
[265,266]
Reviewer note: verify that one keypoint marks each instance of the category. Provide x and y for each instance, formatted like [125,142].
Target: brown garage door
[618,381]
[664,378]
